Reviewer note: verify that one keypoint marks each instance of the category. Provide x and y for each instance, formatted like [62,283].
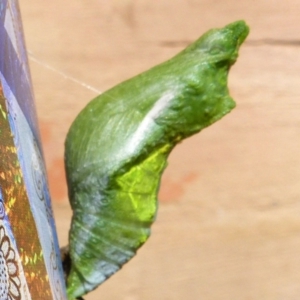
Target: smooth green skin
[117,147]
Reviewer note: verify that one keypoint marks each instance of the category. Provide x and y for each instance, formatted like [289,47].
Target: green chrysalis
[117,147]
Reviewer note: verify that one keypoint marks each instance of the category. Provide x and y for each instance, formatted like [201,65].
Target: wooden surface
[228,226]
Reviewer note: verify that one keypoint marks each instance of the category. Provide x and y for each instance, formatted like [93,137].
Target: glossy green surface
[117,147]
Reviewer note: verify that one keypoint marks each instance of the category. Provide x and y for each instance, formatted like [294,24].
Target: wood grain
[228,225]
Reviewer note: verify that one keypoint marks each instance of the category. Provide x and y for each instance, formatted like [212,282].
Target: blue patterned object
[30,265]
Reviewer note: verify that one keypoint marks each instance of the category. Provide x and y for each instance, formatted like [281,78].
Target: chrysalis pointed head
[206,63]
[221,44]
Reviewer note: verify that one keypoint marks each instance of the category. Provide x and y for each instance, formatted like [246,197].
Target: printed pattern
[30,266]
[13,283]
[9,275]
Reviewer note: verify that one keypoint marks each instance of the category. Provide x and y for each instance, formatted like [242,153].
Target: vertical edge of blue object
[17,89]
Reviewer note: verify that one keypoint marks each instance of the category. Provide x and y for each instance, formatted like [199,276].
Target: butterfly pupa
[117,147]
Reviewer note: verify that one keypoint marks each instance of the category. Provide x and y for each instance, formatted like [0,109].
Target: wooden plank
[228,225]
